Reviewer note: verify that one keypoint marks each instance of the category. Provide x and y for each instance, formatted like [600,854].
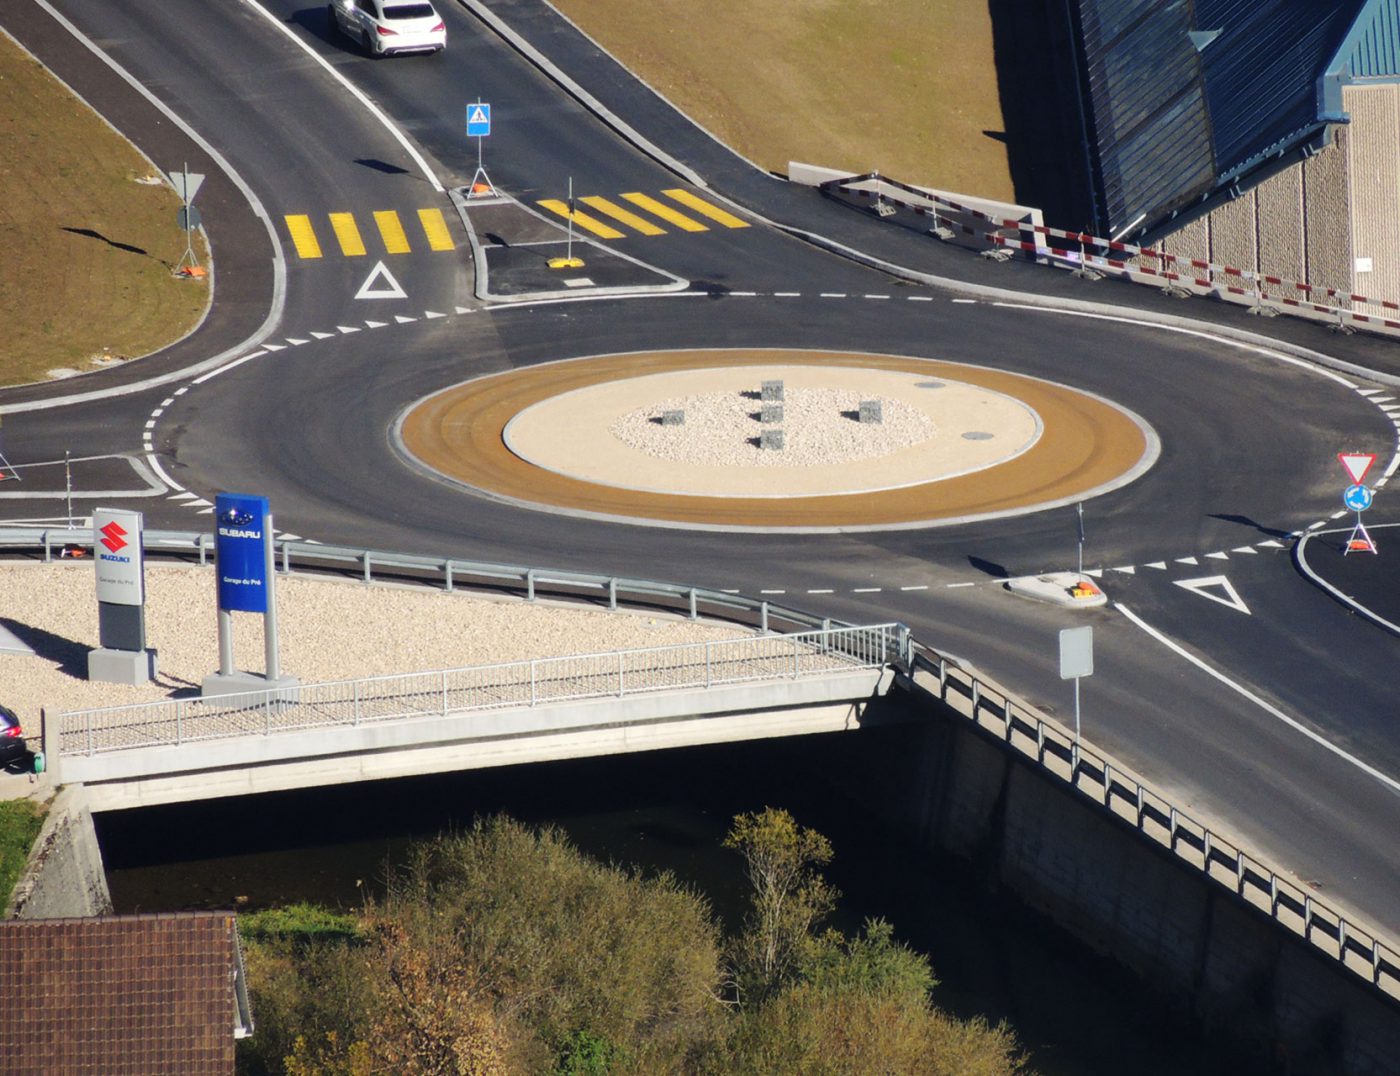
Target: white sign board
[116,550]
[1076,653]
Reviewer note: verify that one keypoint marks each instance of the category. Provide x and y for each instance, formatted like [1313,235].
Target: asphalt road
[1291,744]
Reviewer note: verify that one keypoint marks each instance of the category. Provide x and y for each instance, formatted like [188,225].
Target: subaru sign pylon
[243,563]
[241,521]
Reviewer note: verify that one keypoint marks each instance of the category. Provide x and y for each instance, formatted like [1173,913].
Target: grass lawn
[88,251]
[904,87]
[20,821]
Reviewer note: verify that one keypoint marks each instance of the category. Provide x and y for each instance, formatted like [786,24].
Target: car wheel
[367,43]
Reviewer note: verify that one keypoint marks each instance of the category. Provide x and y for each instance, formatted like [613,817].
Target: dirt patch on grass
[905,87]
[86,272]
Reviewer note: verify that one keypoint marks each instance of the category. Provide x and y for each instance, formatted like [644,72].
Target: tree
[789,897]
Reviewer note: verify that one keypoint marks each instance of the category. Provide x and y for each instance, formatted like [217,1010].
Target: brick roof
[143,995]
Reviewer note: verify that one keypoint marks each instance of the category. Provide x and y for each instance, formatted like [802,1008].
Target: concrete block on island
[771,440]
[771,392]
[122,666]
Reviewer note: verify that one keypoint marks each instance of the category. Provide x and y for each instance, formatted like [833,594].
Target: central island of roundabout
[686,438]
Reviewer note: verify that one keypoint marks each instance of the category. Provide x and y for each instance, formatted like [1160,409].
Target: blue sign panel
[239,554]
[478,119]
[1357,498]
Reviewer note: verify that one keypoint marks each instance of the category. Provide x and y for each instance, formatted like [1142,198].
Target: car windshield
[408,11]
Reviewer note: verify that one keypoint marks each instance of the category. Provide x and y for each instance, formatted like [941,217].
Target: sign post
[186,184]
[479,127]
[121,656]
[1358,498]
[1076,661]
[243,563]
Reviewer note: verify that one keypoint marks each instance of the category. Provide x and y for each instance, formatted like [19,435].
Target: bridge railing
[197,547]
[1220,858]
[509,685]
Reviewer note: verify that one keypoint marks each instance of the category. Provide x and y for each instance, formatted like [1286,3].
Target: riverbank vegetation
[506,950]
[20,822]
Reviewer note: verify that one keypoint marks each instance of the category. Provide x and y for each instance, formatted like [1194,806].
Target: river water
[1076,1014]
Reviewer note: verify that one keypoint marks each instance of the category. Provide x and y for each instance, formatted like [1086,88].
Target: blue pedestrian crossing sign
[478,119]
[1357,498]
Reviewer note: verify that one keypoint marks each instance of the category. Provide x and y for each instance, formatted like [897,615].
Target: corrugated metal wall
[1261,72]
[1147,105]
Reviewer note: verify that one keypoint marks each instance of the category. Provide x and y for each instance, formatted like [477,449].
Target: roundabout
[677,438]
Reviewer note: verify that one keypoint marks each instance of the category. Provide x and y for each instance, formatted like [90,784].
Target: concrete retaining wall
[64,876]
[1195,946]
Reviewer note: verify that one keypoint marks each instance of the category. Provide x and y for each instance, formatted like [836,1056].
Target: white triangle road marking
[1130,570]
[403,319]
[1245,549]
[380,284]
[430,314]
[1217,556]
[1187,560]
[274,347]
[1160,565]
[297,341]
[322,336]
[375,324]
[348,328]
[1231,598]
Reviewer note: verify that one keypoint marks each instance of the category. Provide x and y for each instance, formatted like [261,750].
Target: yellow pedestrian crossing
[435,228]
[393,236]
[348,233]
[704,208]
[303,236]
[583,220]
[644,214]
[388,231]
[391,231]
[665,212]
[612,209]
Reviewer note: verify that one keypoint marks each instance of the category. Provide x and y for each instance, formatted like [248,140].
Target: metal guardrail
[1220,859]
[50,543]
[511,685]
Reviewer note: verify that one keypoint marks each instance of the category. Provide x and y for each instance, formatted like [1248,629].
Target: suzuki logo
[114,537]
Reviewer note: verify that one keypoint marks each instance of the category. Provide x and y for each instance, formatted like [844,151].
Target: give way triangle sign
[1357,464]
[380,284]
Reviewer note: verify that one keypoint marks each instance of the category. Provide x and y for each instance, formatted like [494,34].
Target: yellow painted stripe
[583,220]
[612,209]
[346,231]
[391,231]
[715,213]
[303,235]
[665,212]
[435,228]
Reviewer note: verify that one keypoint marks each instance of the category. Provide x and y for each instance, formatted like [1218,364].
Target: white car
[387,26]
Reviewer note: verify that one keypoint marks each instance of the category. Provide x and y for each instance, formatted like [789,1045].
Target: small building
[138,995]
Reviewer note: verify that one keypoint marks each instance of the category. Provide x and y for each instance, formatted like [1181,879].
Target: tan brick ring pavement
[1086,446]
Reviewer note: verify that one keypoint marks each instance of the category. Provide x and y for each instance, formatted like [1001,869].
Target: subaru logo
[236,517]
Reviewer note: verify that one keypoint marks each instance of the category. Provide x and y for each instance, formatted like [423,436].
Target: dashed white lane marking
[951,586]
[1267,707]
[787,295]
[866,590]
[820,592]
[966,301]
[833,295]
[921,587]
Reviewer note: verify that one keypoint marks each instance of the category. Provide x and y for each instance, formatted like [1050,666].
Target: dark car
[12,745]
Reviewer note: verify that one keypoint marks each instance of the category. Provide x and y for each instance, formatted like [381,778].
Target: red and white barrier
[1172,270]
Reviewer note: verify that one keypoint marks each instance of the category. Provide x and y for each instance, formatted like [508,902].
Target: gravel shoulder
[328,630]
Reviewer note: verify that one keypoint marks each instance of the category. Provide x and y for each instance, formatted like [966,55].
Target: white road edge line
[1267,707]
[1301,556]
[355,92]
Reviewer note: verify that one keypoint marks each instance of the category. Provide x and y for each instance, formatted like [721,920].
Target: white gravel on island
[328,629]
[819,428]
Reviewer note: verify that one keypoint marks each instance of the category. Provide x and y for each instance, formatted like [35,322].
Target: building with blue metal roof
[1187,103]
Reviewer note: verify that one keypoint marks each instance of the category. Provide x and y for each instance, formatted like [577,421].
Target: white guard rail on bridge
[513,685]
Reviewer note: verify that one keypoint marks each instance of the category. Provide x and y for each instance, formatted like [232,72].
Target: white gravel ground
[818,424]
[328,630]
